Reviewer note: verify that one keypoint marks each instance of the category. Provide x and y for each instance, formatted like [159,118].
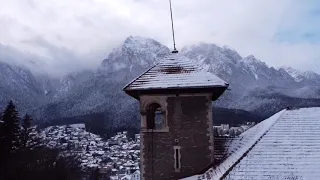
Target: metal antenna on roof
[174,41]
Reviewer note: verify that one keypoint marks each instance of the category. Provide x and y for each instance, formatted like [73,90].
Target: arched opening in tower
[155,118]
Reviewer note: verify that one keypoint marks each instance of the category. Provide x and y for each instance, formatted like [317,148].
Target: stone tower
[176,117]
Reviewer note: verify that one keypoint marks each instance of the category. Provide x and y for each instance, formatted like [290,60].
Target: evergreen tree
[19,159]
[2,142]
[10,129]
[1,129]
[67,167]
[29,138]
[9,137]
[95,174]
[87,148]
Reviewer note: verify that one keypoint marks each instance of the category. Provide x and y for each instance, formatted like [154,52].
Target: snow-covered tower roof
[176,74]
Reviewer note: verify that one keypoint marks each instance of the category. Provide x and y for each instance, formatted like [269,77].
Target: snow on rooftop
[78,125]
[289,150]
[137,172]
[175,71]
[285,146]
[238,147]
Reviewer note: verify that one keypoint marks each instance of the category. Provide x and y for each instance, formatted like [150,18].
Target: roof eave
[216,91]
[128,85]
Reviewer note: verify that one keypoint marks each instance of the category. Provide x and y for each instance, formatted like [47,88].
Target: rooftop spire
[173,38]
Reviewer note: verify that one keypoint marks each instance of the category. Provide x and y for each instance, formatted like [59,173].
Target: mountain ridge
[253,83]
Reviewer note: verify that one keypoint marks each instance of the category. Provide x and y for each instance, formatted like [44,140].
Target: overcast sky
[71,34]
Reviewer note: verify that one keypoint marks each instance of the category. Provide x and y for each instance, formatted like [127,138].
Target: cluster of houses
[224,130]
[116,158]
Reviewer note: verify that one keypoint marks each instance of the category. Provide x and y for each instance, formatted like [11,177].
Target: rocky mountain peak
[253,60]
[253,84]
[139,43]
[134,54]
[301,76]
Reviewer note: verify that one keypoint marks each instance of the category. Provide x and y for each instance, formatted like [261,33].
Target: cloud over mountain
[74,34]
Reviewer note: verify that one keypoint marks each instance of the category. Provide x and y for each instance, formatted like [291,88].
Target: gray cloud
[75,34]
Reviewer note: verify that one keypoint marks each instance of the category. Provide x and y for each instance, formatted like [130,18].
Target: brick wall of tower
[189,122]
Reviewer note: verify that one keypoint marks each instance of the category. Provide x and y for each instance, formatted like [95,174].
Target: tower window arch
[155,116]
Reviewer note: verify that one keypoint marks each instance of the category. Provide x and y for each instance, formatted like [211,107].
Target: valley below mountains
[256,90]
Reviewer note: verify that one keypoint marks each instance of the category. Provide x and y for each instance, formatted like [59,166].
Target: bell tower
[176,117]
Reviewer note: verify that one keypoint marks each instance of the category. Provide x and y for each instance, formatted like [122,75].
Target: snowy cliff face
[134,55]
[307,77]
[102,91]
[20,85]
[242,73]
[254,85]
[72,81]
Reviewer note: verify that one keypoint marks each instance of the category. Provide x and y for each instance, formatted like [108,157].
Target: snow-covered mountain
[19,84]
[72,80]
[102,91]
[135,55]
[254,85]
[243,73]
[307,77]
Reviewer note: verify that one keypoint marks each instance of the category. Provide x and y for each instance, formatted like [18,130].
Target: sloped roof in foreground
[175,72]
[284,147]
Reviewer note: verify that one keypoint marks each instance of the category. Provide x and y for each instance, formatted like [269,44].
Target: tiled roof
[175,72]
[289,150]
[284,147]
[223,147]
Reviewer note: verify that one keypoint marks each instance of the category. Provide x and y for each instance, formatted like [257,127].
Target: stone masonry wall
[189,127]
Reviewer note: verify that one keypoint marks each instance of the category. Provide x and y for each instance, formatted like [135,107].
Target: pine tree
[18,152]
[11,128]
[9,138]
[87,148]
[95,174]
[29,138]
[2,139]
[1,129]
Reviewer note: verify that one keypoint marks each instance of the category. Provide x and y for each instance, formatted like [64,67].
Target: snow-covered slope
[19,85]
[252,82]
[72,80]
[102,90]
[307,77]
[254,85]
[135,54]
[242,73]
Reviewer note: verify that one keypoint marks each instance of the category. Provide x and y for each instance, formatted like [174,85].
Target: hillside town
[116,158]
[225,130]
